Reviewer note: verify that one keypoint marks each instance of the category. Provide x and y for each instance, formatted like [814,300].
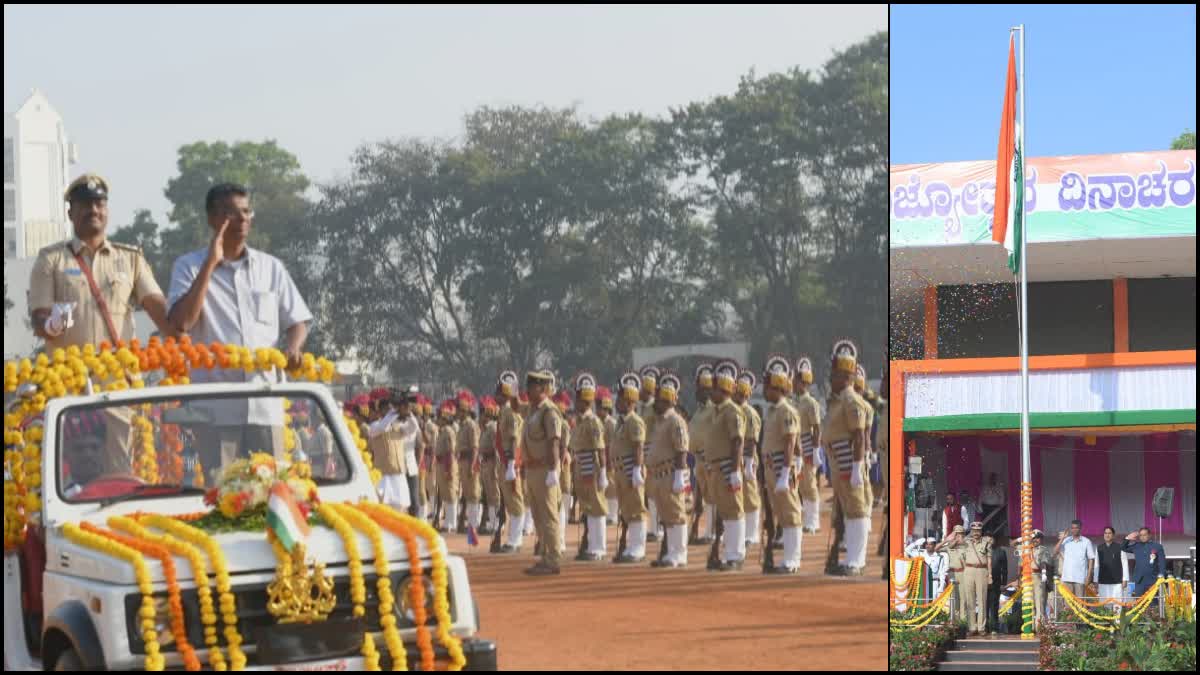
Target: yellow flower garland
[387,618]
[441,605]
[920,621]
[147,461]
[199,575]
[227,602]
[154,660]
[1008,605]
[1107,622]
[358,588]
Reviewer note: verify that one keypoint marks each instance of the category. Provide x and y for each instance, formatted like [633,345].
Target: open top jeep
[72,601]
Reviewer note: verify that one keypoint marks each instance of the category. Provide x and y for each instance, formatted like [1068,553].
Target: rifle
[621,539]
[768,538]
[662,544]
[583,540]
[836,531]
[697,507]
[462,514]
[495,547]
[713,555]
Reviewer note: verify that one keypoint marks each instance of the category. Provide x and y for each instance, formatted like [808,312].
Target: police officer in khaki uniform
[868,401]
[646,410]
[566,484]
[447,468]
[723,452]
[1043,574]
[810,439]
[591,472]
[542,435]
[977,563]
[752,500]
[780,434]
[512,487]
[955,546]
[523,411]
[843,432]
[488,470]
[609,420]
[627,454]
[698,434]
[428,466]
[666,464]
[467,447]
[65,311]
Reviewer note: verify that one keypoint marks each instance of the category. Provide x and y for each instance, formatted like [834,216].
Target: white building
[36,159]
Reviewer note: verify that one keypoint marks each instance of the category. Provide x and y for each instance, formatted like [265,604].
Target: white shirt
[993,495]
[249,302]
[1075,554]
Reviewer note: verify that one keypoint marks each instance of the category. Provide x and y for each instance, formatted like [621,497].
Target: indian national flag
[1009,212]
[284,517]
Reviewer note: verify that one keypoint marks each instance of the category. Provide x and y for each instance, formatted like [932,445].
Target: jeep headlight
[162,623]
[405,600]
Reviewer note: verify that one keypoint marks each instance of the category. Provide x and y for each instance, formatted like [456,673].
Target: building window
[1162,314]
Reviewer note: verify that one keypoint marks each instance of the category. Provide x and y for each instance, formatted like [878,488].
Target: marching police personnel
[810,439]
[667,465]
[488,472]
[512,488]
[562,402]
[627,453]
[646,410]
[779,448]
[523,410]
[542,434]
[698,433]
[83,291]
[868,398]
[447,468]
[611,498]
[752,500]
[591,479]
[723,451]
[428,466]
[467,447]
[843,434]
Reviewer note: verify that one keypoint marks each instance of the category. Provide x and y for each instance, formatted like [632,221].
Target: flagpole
[1027,610]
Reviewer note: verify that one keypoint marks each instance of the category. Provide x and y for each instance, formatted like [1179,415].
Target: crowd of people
[633,457]
[980,568]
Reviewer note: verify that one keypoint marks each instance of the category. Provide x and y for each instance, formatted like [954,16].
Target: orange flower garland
[174,603]
[387,617]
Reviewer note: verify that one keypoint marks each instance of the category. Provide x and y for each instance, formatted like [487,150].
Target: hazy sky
[1099,79]
[135,83]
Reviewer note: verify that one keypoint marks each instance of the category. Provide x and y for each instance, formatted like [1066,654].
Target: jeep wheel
[69,660]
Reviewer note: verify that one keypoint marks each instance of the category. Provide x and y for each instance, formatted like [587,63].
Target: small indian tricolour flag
[284,517]
[1008,216]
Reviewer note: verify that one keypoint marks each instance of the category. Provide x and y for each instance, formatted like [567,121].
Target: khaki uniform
[544,426]
[447,468]
[881,447]
[125,280]
[513,492]
[698,435]
[468,475]
[752,499]
[587,451]
[489,471]
[782,425]
[610,430]
[725,426]
[1043,559]
[845,419]
[630,432]
[810,424]
[670,442]
[954,560]
[564,475]
[429,466]
[868,491]
[976,555]
[388,453]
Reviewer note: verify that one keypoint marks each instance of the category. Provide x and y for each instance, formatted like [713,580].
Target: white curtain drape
[1058,489]
[1127,484]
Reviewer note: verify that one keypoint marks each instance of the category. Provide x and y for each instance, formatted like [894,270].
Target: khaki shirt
[430,429]
[954,555]
[782,421]
[977,553]
[649,417]
[698,429]
[725,425]
[753,426]
[810,421]
[845,418]
[881,432]
[446,440]
[869,409]
[487,438]
[121,273]
[629,433]
[610,429]
[669,441]
[468,438]
[510,431]
[390,459]
[545,424]
[588,434]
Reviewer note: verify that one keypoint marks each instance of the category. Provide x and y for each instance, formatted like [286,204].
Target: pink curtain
[1035,460]
[1091,469]
[1010,445]
[1162,470]
[963,465]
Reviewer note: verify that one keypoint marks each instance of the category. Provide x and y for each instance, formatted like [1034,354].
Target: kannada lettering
[1146,190]
[938,198]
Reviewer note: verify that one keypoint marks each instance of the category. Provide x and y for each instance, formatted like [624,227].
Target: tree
[1185,141]
[143,233]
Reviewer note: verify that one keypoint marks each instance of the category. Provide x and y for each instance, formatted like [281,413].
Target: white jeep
[70,608]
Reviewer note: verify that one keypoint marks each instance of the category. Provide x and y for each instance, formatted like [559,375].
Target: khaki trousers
[975,580]
[545,504]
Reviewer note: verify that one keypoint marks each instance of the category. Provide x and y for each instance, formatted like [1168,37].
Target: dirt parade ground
[601,616]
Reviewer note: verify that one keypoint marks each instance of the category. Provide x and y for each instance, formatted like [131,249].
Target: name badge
[73,272]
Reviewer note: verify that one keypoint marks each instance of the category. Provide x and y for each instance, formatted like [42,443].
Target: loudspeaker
[1163,497]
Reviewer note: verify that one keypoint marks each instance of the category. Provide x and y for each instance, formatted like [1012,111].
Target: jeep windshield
[165,446]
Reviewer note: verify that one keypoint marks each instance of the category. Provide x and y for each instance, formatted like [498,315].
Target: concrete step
[998,666]
[994,655]
[998,644]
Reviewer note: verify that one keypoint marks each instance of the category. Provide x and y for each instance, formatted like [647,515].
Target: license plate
[330,665]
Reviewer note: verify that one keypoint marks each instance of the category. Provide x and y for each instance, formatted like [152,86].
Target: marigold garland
[74,533]
[358,588]
[416,588]
[227,602]
[174,602]
[1108,623]
[182,549]
[387,616]
[936,607]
